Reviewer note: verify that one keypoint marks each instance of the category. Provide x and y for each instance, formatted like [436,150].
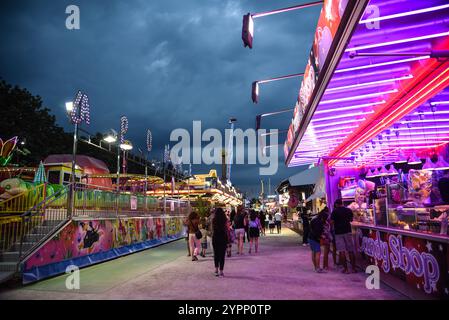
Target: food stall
[373,106]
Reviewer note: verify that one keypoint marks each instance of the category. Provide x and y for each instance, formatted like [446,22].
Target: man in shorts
[341,219]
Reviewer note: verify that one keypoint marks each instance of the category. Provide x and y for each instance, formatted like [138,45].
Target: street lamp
[255,84]
[78,112]
[248,21]
[230,147]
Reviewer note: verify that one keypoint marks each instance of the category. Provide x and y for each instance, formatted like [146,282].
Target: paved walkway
[281,270]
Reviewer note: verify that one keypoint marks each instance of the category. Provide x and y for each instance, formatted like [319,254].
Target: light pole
[230,148]
[248,20]
[78,111]
[255,84]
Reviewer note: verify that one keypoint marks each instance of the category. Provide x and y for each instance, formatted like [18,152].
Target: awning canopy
[306,177]
[388,93]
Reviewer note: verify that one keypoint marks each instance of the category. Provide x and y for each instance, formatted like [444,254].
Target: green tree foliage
[23,115]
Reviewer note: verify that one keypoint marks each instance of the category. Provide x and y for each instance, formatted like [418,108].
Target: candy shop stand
[373,107]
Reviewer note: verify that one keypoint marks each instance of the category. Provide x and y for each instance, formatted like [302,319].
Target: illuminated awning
[388,92]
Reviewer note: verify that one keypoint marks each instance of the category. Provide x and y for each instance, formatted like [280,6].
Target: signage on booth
[422,263]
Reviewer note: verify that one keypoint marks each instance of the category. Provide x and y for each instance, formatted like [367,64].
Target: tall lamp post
[230,148]
[78,112]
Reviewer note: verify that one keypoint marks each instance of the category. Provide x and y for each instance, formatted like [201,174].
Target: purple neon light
[405,14]
[368,84]
[344,115]
[369,95]
[381,64]
[331,124]
[437,103]
[364,105]
[400,41]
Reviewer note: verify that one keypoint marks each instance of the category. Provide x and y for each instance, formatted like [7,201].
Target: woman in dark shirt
[316,234]
[219,240]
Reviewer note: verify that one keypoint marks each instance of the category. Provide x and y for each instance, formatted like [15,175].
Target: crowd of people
[223,228]
[327,232]
[330,232]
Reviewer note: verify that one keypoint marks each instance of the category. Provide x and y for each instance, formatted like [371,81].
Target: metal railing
[24,201]
[94,201]
[19,233]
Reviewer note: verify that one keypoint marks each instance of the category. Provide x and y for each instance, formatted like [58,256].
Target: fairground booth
[373,107]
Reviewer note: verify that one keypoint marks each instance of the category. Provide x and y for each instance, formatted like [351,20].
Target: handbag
[198,234]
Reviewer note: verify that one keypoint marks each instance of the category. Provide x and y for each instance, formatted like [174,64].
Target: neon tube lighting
[367,84]
[369,95]
[389,43]
[317,137]
[425,120]
[400,109]
[436,103]
[405,14]
[351,107]
[338,122]
[344,115]
[330,130]
[381,64]
[401,70]
[431,113]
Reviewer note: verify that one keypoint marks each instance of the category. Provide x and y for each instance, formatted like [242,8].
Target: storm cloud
[163,64]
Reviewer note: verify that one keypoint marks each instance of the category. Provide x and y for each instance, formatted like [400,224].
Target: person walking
[278,221]
[271,223]
[186,230]
[341,219]
[246,223]
[204,233]
[231,235]
[326,239]
[315,237]
[220,240]
[254,231]
[239,229]
[305,225]
[194,234]
[267,220]
[262,222]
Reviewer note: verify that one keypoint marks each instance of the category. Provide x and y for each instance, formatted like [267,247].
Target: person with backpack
[316,235]
[254,231]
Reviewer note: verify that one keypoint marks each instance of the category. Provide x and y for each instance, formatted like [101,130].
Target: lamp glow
[69,106]
[126,145]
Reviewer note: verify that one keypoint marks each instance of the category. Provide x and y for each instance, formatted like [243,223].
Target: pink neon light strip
[401,107]
[338,122]
[369,95]
[368,84]
[381,64]
[336,129]
[389,43]
[344,115]
[351,107]
[405,14]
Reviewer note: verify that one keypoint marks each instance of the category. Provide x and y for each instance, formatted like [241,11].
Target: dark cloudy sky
[163,63]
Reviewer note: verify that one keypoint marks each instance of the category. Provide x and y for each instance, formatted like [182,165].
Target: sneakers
[216,273]
[221,275]
[194,258]
[305,244]
[319,270]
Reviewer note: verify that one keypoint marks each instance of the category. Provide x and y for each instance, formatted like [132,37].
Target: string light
[81,109]
[123,128]
[149,140]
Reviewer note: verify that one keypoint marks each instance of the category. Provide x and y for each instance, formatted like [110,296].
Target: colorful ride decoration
[6,150]
[86,242]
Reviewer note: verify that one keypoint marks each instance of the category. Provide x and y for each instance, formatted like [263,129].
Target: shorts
[203,245]
[239,233]
[254,232]
[344,242]
[278,223]
[266,224]
[314,245]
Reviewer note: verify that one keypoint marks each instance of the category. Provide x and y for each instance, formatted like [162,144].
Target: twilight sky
[163,63]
